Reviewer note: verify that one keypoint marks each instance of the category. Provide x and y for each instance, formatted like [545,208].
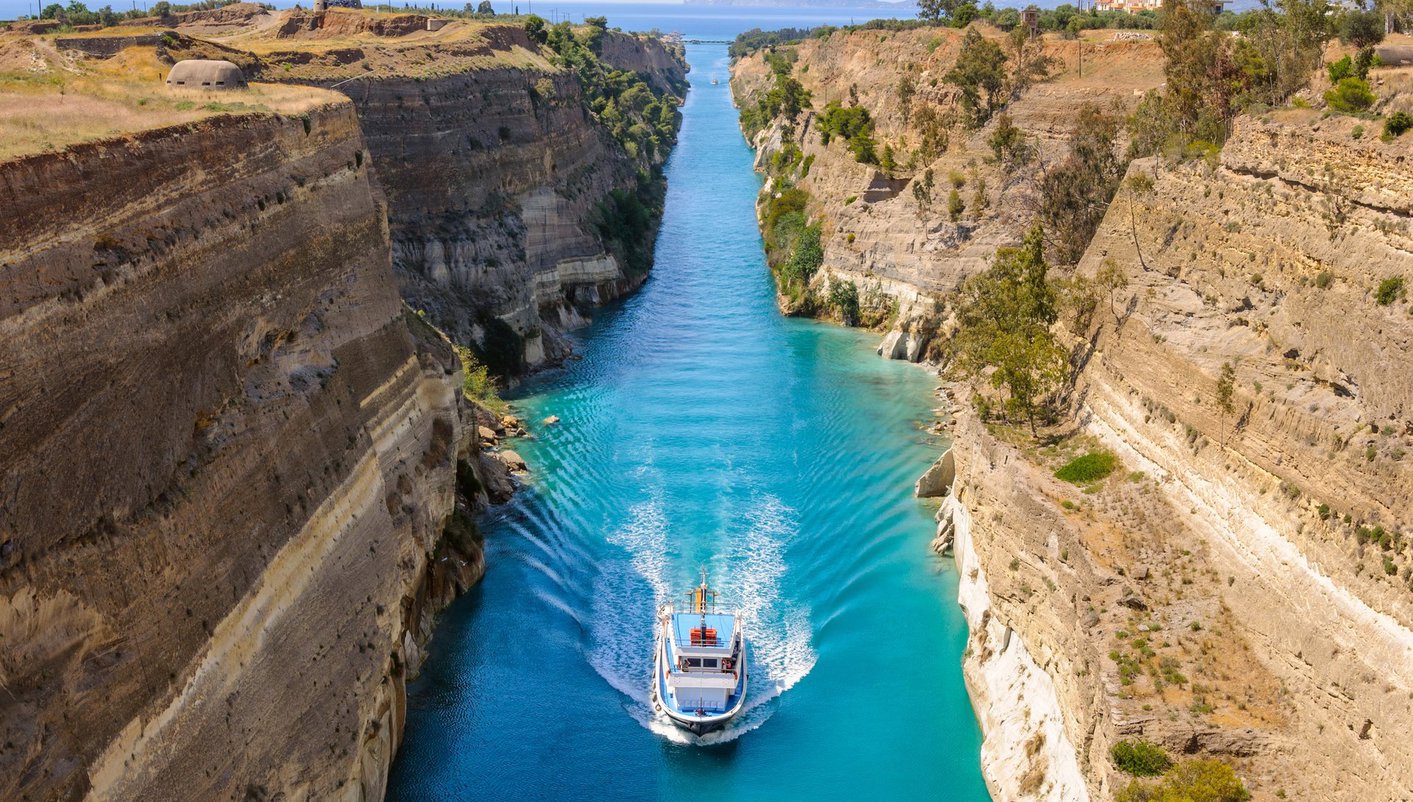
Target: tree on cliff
[935,10]
[1212,75]
[535,29]
[854,125]
[1075,195]
[980,74]
[1004,319]
[1226,389]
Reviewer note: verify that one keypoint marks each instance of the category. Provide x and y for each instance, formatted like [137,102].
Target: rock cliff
[906,254]
[238,470]
[229,460]
[1241,586]
[497,171]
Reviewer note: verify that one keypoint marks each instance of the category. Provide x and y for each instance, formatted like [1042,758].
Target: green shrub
[477,384]
[1140,758]
[851,124]
[1089,468]
[844,297]
[1390,290]
[1339,70]
[1350,95]
[955,206]
[1397,123]
[1189,781]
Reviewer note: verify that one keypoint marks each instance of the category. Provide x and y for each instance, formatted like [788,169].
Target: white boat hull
[698,722]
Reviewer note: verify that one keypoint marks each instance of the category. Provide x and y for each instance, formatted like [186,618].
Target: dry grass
[49,103]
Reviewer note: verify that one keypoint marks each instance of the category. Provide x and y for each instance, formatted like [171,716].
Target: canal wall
[238,471]
[1238,587]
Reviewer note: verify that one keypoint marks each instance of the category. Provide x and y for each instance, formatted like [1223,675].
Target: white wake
[748,575]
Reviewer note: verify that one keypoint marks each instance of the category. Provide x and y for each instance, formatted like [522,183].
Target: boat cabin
[700,667]
[704,647]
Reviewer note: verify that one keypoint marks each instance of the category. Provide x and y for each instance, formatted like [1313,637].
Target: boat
[699,663]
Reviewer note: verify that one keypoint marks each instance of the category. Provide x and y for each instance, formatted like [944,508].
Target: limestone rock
[263,450]
[937,480]
[512,461]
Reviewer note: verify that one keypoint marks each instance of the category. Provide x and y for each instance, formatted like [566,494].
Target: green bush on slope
[1089,468]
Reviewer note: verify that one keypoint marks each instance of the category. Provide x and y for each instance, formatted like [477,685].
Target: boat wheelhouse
[699,664]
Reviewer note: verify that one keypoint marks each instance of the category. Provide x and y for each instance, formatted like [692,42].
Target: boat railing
[700,705]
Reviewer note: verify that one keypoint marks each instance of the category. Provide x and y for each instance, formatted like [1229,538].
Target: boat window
[694,662]
[709,663]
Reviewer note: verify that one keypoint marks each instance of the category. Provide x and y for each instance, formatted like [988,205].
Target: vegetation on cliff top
[643,120]
[78,13]
[1212,76]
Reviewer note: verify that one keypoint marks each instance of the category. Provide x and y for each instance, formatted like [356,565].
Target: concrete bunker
[206,74]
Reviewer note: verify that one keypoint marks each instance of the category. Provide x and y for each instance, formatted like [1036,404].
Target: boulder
[495,476]
[937,480]
[512,461]
[1133,602]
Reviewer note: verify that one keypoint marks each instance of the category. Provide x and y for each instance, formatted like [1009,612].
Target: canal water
[701,428]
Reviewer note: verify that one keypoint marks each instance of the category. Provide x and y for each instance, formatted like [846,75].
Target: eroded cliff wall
[497,172]
[906,250]
[1283,261]
[1241,586]
[226,456]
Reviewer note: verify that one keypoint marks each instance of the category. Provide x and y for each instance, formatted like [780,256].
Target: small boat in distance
[699,665]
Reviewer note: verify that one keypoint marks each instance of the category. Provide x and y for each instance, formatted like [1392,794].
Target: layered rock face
[227,456]
[493,177]
[495,170]
[1260,551]
[1272,262]
[877,232]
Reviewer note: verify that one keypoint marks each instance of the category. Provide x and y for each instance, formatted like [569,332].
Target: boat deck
[684,623]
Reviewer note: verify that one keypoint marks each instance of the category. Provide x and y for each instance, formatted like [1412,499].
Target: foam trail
[626,595]
[778,631]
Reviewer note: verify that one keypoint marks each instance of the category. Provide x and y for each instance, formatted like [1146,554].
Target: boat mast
[701,595]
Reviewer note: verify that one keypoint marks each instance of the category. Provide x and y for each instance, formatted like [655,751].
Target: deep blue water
[702,428]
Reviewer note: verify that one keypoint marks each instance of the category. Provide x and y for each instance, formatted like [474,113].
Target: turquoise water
[702,428]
